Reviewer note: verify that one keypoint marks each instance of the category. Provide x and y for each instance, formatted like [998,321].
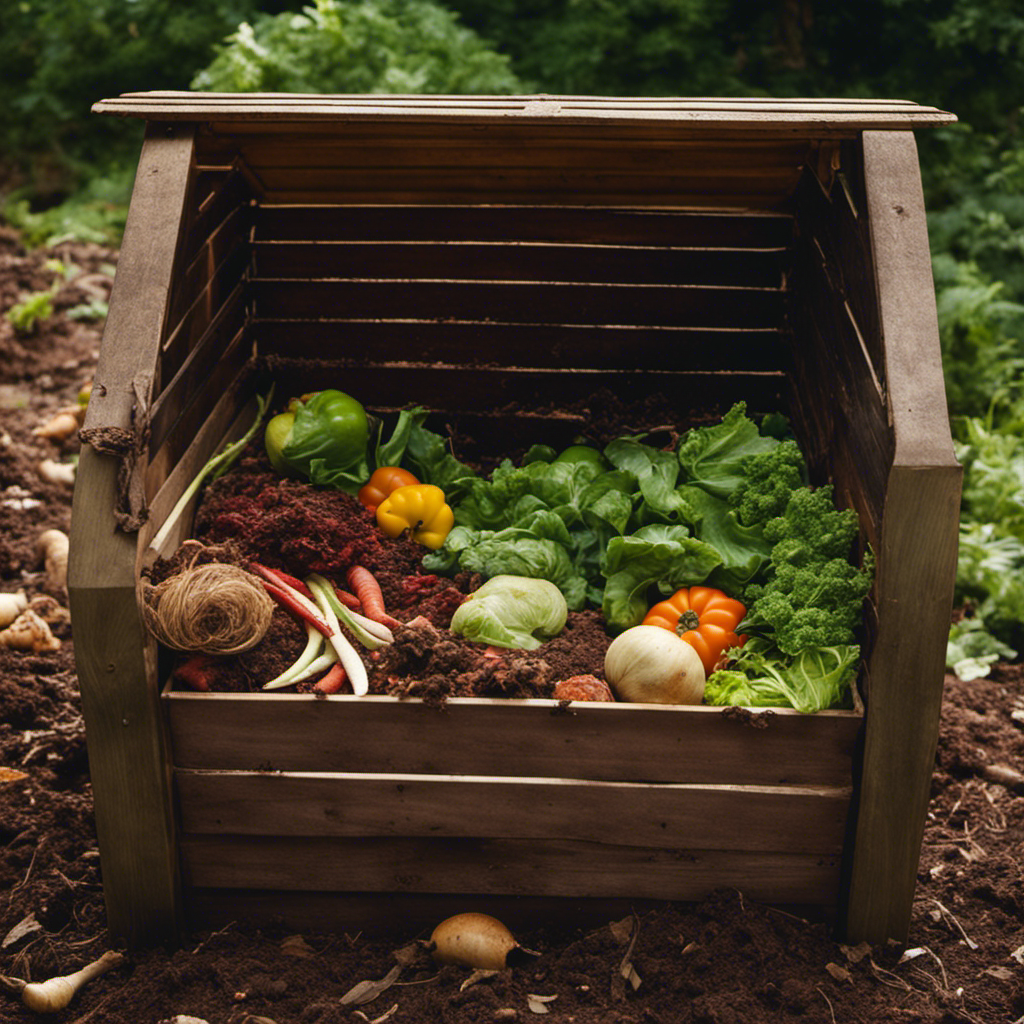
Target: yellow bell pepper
[419,508]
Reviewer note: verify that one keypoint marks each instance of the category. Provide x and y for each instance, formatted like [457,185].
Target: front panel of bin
[467,257]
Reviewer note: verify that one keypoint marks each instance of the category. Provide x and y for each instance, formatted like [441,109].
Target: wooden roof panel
[801,116]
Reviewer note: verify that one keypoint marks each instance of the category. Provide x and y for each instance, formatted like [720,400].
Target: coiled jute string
[215,608]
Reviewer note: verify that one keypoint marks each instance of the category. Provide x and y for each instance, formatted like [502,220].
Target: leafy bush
[368,46]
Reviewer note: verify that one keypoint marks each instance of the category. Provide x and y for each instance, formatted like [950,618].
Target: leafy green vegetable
[814,595]
[512,611]
[715,458]
[812,680]
[972,650]
[660,556]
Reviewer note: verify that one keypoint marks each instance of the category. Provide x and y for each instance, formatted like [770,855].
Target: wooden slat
[840,229]
[480,736]
[504,866]
[468,344]
[223,290]
[757,185]
[499,145]
[525,223]
[185,406]
[851,432]
[520,262]
[502,393]
[651,305]
[217,345]
[788,819]
[916,558]
[228,421]
[114,655]
[751,114]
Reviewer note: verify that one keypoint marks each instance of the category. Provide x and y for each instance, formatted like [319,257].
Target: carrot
[279,576]
[333,681]
[367,589]
[292,601]
[197,672]
[350,601]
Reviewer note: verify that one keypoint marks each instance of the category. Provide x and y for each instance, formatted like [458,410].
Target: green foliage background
[64,171]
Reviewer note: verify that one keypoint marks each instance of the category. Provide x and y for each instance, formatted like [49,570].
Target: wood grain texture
[815,116]
[128,762]
[788,819]
[481,736]
[916,558]
[503,866]
[524,223]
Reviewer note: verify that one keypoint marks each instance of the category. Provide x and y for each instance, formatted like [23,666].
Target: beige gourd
[651,665]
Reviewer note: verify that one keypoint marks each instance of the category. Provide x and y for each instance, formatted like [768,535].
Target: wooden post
[916,560]
[115,658]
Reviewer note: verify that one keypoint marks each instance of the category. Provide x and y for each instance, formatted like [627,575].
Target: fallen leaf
[538,1004]
[912,954]
[296,945]
[28,925]
[621,930]
[367,991]
[1018,954]
[1002,973]
[856,953]
[410,953]
[11,775]
[839,973]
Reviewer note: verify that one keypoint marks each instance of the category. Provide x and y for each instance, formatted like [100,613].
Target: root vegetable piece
[52,548]
[11,606]
[585,687]
[28,632]
[473,940]
[54,994]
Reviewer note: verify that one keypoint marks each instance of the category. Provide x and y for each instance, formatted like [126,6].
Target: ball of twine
[213,608]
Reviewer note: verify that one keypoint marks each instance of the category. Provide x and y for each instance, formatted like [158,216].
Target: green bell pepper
[320,433]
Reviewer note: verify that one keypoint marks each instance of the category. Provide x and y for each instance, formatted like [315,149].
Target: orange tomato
[705,618]
[382,482]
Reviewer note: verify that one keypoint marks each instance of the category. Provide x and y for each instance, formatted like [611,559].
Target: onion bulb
[651,665]
[473,940]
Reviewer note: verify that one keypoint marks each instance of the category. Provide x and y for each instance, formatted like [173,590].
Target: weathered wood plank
[468,344]
[781,819]
[916,559]
[523,302]
[753,114]
[167,480]
[495,392]
[524,223]
[485,736]
[115,659]
[504,866]
[759,268]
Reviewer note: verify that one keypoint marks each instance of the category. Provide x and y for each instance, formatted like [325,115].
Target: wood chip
[367,991]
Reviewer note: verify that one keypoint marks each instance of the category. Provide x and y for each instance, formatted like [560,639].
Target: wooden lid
[792,116]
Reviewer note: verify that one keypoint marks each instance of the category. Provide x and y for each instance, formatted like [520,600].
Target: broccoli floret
[770,479]
[811,529]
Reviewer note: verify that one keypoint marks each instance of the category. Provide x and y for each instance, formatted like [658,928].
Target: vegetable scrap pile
[704,570]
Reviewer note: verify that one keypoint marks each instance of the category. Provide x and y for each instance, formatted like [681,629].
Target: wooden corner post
[115,658]
[916,560]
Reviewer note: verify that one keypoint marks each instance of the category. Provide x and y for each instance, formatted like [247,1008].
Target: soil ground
[725,960]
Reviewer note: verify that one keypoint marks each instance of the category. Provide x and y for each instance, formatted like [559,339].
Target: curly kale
[771,478]
[814,596]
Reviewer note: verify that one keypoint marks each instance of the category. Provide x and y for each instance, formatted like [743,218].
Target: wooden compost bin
[464,253]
